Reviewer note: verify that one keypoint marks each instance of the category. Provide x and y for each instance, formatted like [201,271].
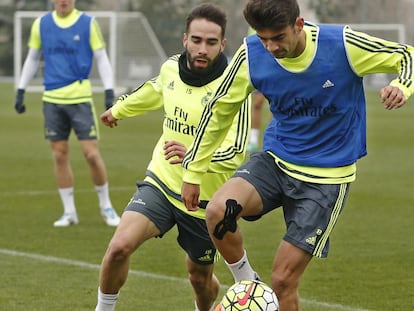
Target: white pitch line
[53,192]
[82,264]
[331,306]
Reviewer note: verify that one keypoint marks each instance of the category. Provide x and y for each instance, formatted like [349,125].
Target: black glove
[109,99]
[18,103]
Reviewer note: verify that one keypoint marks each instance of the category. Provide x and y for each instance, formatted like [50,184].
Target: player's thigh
[152,203]
[133,230]
[57,123]
[84,121]
[241,191]
[256,185]
[311,212]
[194,239]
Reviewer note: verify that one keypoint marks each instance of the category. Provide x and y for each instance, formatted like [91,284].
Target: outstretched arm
[216,121]
[370,55]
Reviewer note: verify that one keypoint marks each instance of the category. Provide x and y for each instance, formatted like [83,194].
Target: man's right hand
[108,119]
[190,194]
[18,103]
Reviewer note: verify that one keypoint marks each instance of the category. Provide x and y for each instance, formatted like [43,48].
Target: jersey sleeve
[34,39]
[96,40]
[217,118]
[369,55]
[146,97]
[232,152]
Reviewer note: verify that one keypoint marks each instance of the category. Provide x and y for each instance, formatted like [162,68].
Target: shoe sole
[72,223]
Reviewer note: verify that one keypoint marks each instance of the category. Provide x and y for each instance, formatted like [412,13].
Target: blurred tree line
[167,18]
[368,12]
[356,11]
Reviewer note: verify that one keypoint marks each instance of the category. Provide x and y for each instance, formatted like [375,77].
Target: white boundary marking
[55,192]
[87,265]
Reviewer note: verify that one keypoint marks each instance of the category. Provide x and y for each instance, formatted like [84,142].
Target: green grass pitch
[370,266]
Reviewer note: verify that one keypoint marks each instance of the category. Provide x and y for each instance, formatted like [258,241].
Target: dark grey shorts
[310,210]
[61,119]
[193,235]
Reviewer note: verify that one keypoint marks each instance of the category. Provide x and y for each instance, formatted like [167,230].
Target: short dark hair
[210,12]
[271,14]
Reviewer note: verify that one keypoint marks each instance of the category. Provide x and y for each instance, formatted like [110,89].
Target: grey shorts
[310,210]
[61,119]
[193,235]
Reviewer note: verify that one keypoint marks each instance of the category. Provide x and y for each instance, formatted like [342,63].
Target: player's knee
[198,281]
[60,157]
[201,279]
[214,211]
[223,219]
[283,283]
[93,157]
[118,250]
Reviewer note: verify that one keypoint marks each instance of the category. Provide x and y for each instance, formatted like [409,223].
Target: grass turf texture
[45,268]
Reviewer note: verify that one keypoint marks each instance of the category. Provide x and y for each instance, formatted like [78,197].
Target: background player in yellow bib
[69,41]
[183,87]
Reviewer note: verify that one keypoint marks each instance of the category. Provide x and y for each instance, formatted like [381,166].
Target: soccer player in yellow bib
[69,41]
[312,76]
[183,87]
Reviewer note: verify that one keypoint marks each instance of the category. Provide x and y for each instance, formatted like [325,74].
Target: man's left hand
[392,97]
[174,151]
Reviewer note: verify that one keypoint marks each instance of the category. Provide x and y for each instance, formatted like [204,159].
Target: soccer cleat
[257,277]
[66,220]
[110,216]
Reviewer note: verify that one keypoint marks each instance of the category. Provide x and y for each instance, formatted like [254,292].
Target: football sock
[254,136]
[242,270]
[103,196]
[106,302]
[66,195]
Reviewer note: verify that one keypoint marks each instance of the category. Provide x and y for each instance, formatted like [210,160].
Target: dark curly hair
[271,14]
[210,12]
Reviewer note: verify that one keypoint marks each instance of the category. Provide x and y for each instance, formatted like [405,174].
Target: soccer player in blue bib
[183,87]
[69,41]
[312,76]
